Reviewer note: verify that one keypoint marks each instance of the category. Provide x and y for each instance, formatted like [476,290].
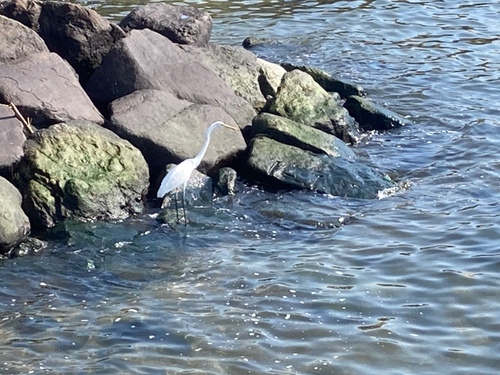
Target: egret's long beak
[230,126]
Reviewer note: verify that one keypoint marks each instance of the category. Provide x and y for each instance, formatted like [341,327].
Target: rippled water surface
[299,283]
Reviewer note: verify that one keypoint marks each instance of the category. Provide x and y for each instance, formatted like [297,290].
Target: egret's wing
[176,177]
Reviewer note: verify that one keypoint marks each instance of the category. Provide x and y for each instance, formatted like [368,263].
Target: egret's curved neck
[197,158]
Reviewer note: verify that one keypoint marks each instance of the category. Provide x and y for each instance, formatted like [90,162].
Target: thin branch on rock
[26,123]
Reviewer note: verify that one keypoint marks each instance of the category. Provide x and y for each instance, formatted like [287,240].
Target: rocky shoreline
[112,105]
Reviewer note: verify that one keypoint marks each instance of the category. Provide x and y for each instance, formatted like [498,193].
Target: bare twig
[26,123]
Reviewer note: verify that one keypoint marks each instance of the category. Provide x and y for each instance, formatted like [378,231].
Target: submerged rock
[12,139]
[285,166]
[148,60]
[80,170]
[301,99]
[180,24]
[169,130]
[329,83]
[14,224]
[18,41]
[371,116]
[45,88]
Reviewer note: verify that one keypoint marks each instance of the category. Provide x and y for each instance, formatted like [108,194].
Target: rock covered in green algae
[329,83]
[290,167]
[301,99]
[82,171]
[14,224]
[296,134]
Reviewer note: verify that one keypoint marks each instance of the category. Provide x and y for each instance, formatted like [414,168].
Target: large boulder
[327,81]
[180,24]
[12,139]
[236,66]
[148,60]
[18,41]
[45,88]
[14,224]
[25,11]
[80,170]
[285,166]
[169,130]
[299,135]
[77,34]
[371,116]
[301,99]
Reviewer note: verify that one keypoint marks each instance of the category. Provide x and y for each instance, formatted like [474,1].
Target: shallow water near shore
[296,282]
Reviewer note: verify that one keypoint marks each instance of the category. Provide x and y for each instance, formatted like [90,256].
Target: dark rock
[82,171]
[169,130]
[77,34]
[147,60]
[45,88]
[251,41]
[12,139]
[329,83]
[180,24]
[301,99]
[29,246]
[14,224]
[236,66]
[18,41]
[371,116]
[295,134]
[285,166]
[25,11]
[225,181]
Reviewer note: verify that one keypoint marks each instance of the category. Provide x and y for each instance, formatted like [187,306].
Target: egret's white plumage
[180,174]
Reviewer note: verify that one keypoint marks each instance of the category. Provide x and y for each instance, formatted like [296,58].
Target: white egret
[180,174]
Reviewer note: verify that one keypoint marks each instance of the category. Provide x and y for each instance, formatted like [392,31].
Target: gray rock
[295,134]
[225,181]
[147,60]
[25,11]
[236,66]
[77,34]
[14,224]
[290,167]
[270,77]
[82,171]
[371,116]
[180,24]
[12,138]
[169,130]
[329,83]
[45,88]
[18,41]
[301,99]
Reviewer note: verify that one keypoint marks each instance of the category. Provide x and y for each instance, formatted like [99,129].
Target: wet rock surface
[290,167]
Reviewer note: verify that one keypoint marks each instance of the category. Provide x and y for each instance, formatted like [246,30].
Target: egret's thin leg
[184,204]
[176,207]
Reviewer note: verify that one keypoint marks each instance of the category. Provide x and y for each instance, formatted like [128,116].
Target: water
[300,283]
